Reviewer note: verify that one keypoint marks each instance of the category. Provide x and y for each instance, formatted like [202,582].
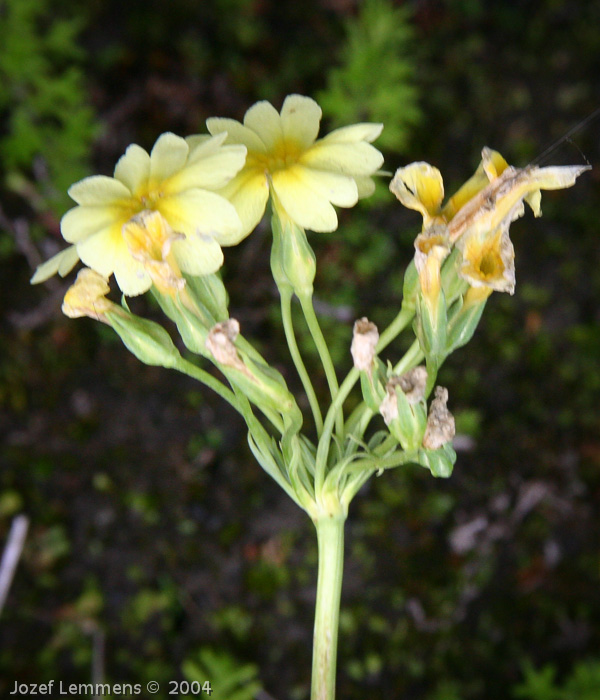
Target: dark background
[154,535]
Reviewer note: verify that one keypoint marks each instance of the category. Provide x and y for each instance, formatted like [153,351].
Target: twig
[12,554]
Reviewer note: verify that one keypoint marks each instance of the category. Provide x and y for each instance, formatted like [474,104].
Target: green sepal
[372,387]
[293,260]
[210,292]
[192,329]
[439,462]
[453,285]
[145,339]
[409,427]
[410,287]
[430,327]
[462,324]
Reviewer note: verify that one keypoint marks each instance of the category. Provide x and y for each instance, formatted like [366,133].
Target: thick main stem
[330,537]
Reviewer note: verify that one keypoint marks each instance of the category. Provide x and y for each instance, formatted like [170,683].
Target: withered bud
[413,383]
[364,339]
[220,343]
[440,422]
[389,406]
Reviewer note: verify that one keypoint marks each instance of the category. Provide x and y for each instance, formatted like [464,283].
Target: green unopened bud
[403,408]
[293,261]
[148,341]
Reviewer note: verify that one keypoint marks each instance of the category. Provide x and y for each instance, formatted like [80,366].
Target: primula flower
[178,179]
[306,176]
[478,216]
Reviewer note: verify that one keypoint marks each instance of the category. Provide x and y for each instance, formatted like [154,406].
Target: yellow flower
[477,218]
[306,176]
[488,260]
[178,179]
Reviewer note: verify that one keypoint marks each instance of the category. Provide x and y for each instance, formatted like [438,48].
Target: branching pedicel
[160,224]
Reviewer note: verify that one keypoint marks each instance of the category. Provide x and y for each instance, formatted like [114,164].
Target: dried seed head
[440,422]
[389,406]
[413,384]
[220,343]
[364,339]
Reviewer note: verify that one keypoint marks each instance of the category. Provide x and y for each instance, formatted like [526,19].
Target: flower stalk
[330,539]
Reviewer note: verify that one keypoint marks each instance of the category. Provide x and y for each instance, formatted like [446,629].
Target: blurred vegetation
[154,536]
[47,120]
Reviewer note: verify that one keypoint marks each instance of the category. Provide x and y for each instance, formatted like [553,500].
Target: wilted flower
[488,260]
[440,422]
[364,340]
[305,176]
[86,296]
[150,240]
[220,344]
[178,179]
[477,218]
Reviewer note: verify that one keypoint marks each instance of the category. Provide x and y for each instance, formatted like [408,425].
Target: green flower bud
[293,261]
[148,341]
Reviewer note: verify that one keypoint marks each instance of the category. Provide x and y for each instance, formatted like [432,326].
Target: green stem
[330,537]
[288,327]
[325,439]
[201,375]
[317,334]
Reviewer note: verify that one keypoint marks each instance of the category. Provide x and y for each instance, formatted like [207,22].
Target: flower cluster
[170,211]
[476,219]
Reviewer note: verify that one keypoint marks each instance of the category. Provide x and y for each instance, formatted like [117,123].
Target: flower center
[284,155]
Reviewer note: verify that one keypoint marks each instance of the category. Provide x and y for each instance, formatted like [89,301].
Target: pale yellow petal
[168,156]
[197,210]
[98,189]
[340,190]
[347,158]
[556,177]
[198,254]
[211,172]
[101,251]
[236,133]
[131,276]
[419,186]
[265,121]
[81,222]
[365,185]
[249,193]
[300,119]
[61,263]
[365,131]
[309,209]
[200,145]
[133,168]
